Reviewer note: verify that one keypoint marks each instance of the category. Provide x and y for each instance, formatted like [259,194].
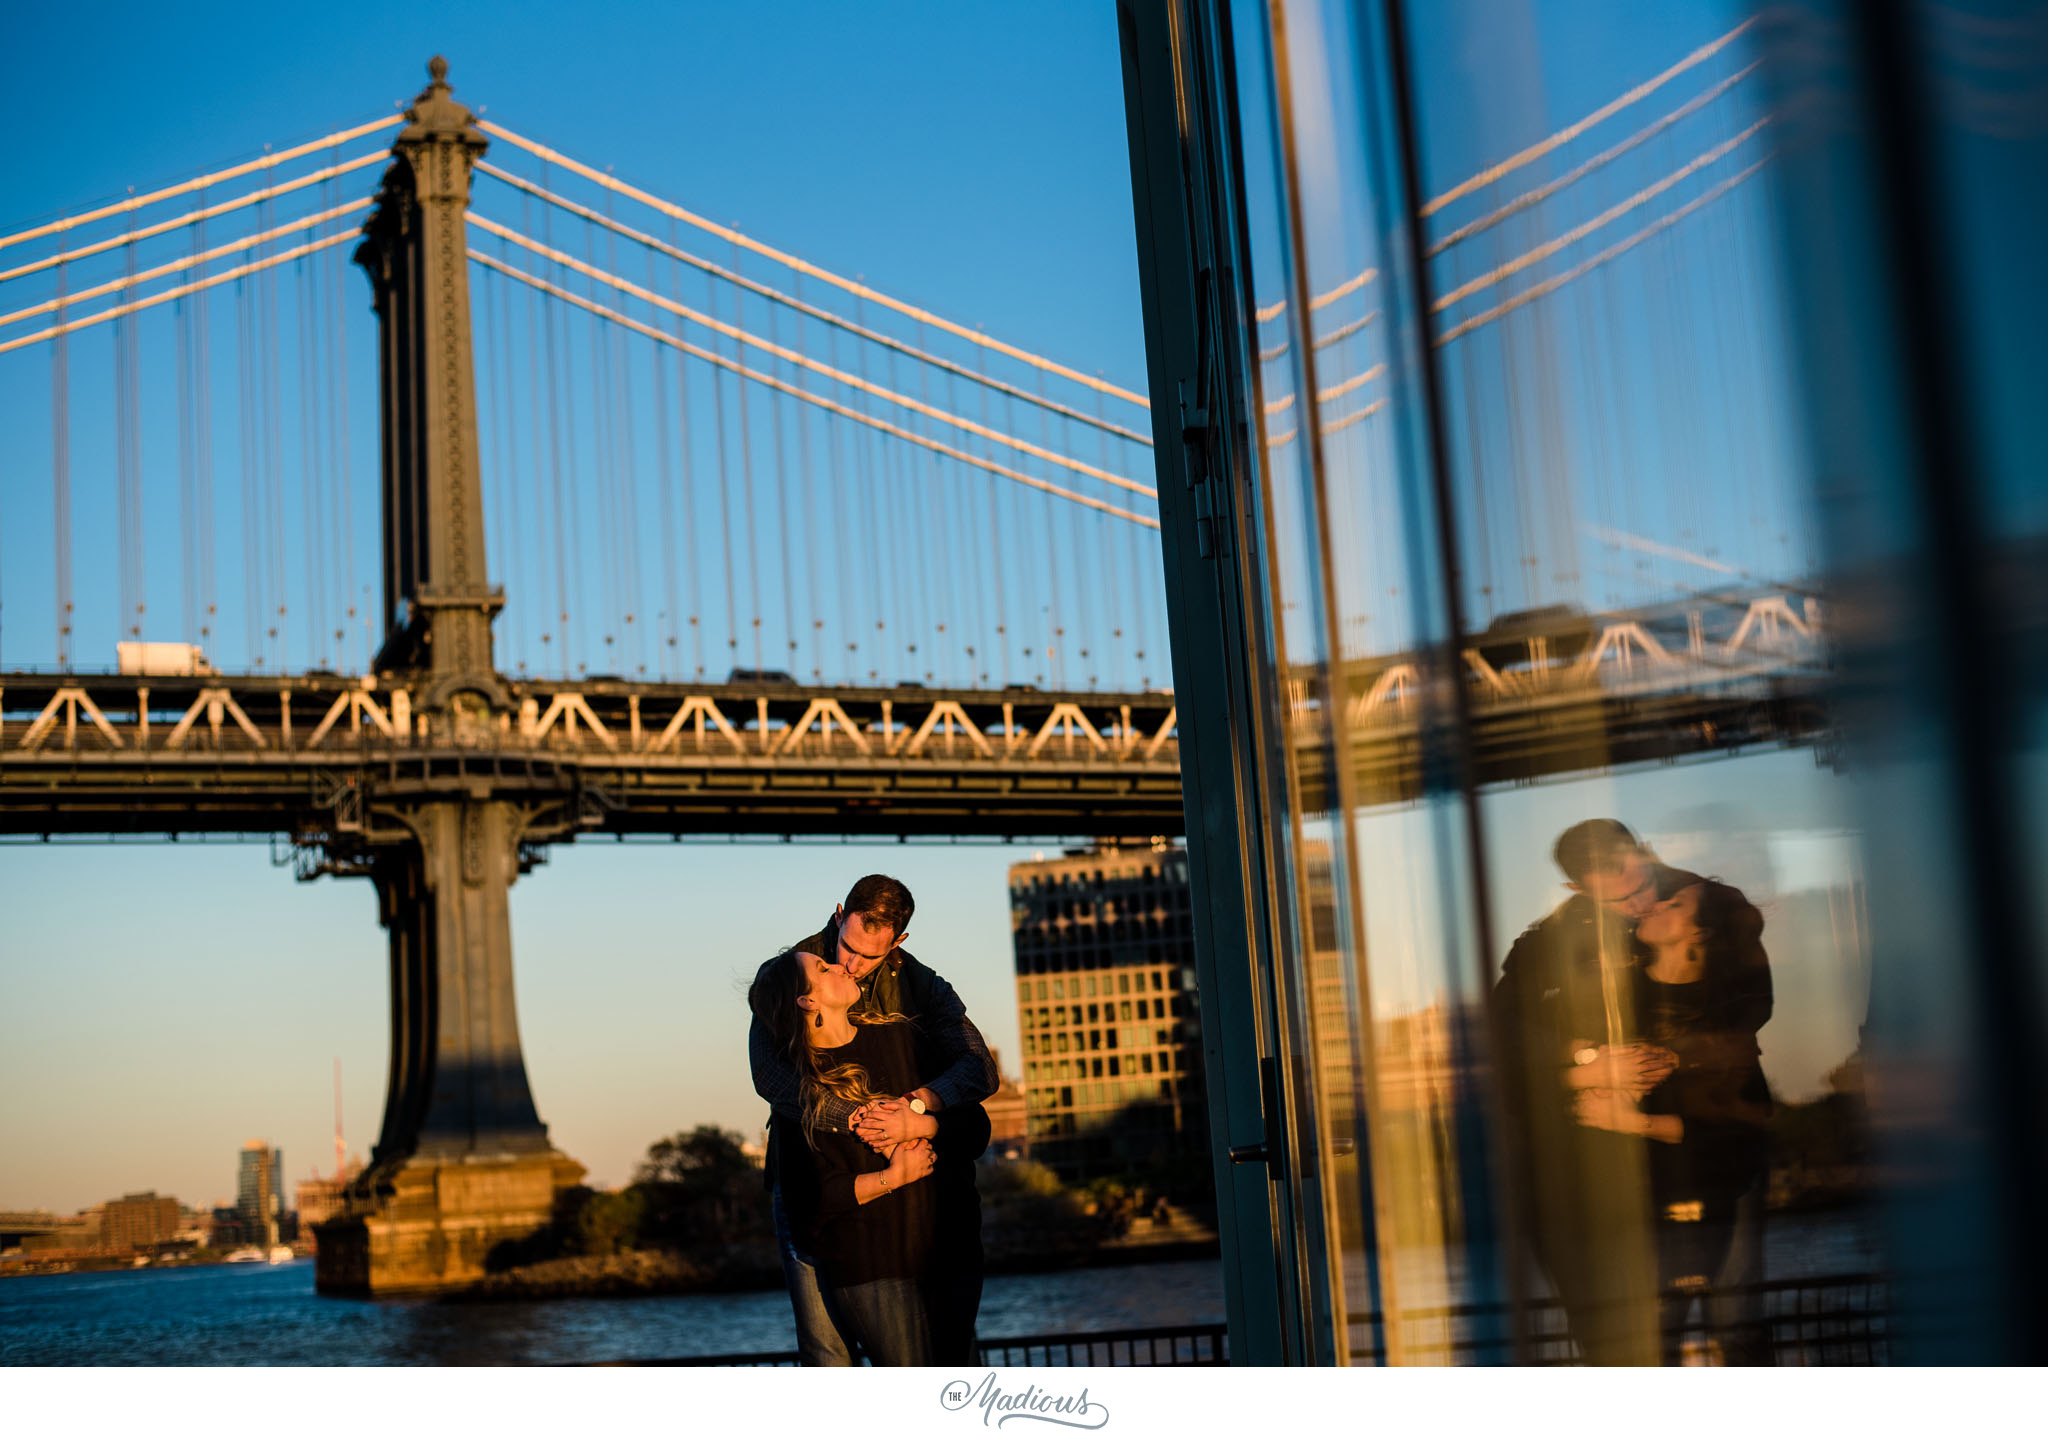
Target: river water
[253,1313]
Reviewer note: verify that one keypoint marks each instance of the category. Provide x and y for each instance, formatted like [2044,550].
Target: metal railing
[1805,1322]
[1186,1345]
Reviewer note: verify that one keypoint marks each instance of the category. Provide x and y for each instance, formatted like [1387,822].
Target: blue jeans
[819,1342]
[887,1318]
[1724,1251]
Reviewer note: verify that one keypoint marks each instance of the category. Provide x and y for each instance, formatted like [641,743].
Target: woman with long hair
[869,1216]
[1700,989]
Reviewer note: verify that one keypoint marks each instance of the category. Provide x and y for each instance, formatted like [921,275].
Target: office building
[1105,997]
[259,1192]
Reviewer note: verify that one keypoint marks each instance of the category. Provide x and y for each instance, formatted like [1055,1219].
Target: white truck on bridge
[162,658]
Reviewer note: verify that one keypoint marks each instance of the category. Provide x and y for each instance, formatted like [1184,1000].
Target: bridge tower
[462,1161]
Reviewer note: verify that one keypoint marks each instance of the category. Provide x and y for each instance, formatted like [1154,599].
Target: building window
[1123,986]
[1158,980]
[1112,1039]
[1145,1063]
[1063,1044]
[1091,1010]
[1112,1066]
[1124,1010]
[1095,1038]
[1067,1097]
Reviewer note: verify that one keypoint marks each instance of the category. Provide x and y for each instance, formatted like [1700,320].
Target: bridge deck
[84,753]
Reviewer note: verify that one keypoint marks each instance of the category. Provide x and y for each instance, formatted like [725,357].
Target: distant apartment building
[138,1220]
[259,1192]
[1106,1002]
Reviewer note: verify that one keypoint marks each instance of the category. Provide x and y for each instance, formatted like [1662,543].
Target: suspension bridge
[779,554]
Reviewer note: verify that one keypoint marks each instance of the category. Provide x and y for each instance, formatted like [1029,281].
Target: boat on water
[281,1254]
[278,1254]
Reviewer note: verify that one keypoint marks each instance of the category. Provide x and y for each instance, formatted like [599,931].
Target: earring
[821,1019]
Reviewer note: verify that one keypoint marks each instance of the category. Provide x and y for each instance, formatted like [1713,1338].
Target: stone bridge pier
[462,1162]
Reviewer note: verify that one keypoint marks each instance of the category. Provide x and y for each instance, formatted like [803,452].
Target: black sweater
[892,1236]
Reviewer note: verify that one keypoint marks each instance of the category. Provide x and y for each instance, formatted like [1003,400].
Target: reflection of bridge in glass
[1561,691]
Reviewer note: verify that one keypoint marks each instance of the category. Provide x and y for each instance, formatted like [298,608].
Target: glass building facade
[1106,1003]
[1602,477]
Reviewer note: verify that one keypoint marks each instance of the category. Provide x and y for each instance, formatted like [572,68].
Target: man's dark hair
[883,899]
[1592,845]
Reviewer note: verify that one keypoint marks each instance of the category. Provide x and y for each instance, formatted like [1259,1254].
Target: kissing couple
[874,1077]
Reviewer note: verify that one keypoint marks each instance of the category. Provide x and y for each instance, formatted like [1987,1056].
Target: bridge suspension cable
[798,305]
[195,217]
[179,265]
[1545,146]
[1572,131]
[204,181]
[164,296]
[1613,251]
[791,261]
[738,369]
[787,355]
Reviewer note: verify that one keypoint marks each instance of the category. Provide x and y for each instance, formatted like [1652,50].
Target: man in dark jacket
[1583,1192]
[865,938]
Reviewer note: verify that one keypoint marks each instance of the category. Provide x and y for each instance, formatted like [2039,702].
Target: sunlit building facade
[1603,490]
[259,1192]
[1105,995]
[138,1220]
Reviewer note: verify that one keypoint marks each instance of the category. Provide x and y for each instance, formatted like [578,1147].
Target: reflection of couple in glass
[1628,1019]
[875,1078]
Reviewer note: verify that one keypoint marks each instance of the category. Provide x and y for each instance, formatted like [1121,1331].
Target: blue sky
[167,1004]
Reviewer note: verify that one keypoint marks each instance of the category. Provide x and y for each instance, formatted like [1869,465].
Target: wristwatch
[916,1105]
[1586,1055]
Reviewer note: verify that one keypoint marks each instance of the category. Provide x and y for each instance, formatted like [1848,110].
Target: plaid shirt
[900,984]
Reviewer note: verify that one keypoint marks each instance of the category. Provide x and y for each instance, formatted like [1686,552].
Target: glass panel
[1646,658]
[1659,933]
[1649,518]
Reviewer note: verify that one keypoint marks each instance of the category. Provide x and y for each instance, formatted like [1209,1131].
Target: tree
[702,1189]
[705,1149]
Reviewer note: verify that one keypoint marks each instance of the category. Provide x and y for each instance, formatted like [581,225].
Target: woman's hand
[1616,1112]
[890,1121]
[1604,1109]
[910,1162]
[1633,1069]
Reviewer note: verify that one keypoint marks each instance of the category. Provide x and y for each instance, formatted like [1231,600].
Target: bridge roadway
[313,756]
[302,755]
